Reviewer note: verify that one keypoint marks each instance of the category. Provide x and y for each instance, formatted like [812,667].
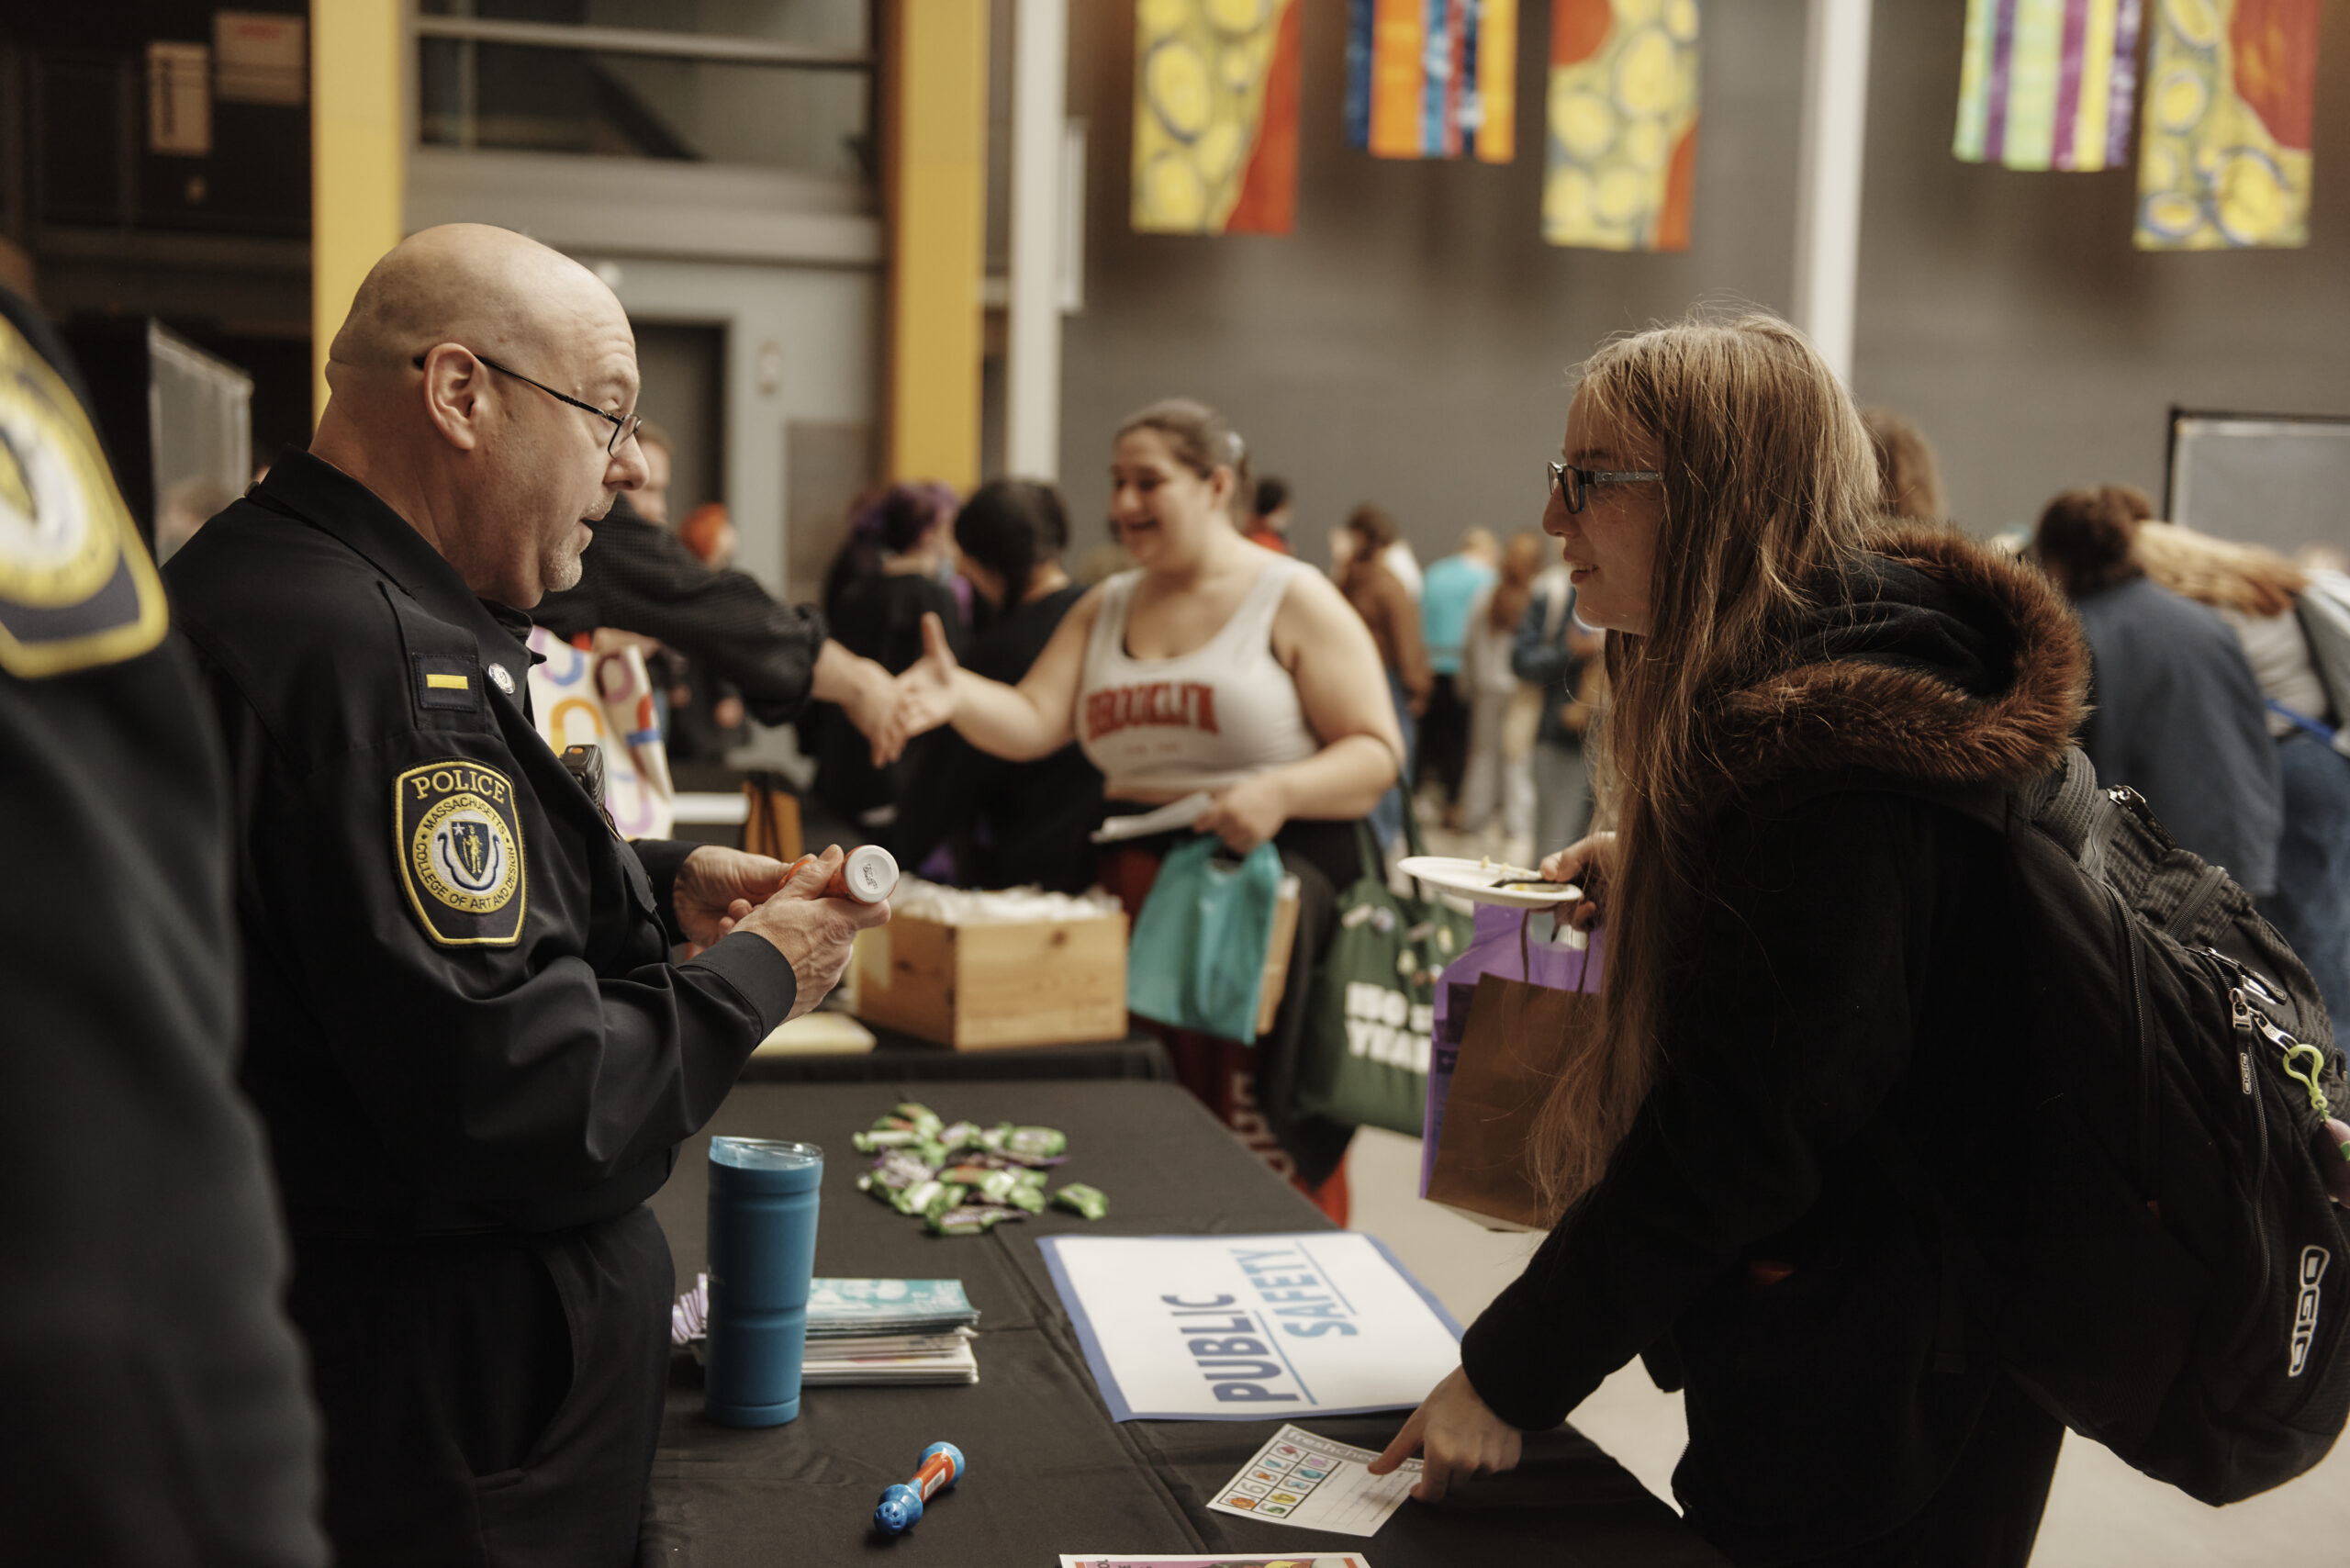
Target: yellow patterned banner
[2230,95]
[1623,124]
[1215,116]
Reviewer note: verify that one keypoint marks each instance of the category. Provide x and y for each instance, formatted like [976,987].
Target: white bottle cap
[870,872]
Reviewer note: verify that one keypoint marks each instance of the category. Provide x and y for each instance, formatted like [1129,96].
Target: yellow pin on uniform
[76,587]
[460,846]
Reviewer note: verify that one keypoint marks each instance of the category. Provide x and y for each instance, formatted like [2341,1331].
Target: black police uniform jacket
[462,1012]
[464,1035]
[1838,1002]
[152,1391]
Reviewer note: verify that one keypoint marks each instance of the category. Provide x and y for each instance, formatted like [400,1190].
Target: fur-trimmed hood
[1938,660]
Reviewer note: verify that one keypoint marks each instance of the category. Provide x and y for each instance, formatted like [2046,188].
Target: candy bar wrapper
[1091,1202]
[918,1198]
[971,1219]
[886,1137]
[897,1170]
[996,1185]
[959,1136]
[1026,1197]
[1036,1143]
[969,1174]
[950,1195]
[919,1116]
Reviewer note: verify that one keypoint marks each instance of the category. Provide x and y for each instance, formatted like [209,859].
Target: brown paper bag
[1277,952]
[1516,1037]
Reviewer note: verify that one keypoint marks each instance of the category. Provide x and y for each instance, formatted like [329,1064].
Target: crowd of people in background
[2211,697]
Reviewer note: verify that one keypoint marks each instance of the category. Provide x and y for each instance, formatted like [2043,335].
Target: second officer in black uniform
[474,1056]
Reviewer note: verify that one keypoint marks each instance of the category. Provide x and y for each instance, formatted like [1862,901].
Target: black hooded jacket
[1837,1007]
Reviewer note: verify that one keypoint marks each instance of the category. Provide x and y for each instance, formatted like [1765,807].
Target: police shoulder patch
[458,835]
[76,587]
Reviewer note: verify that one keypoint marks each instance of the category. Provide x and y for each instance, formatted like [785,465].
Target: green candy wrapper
[996,1186]
[916,1199]
[971,1219]
[1036,1143]
[1091,1202]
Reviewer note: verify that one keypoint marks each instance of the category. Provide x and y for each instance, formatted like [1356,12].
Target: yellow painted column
[358,158]
[935,140]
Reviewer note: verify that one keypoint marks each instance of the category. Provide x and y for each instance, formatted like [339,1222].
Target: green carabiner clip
[2317,1096]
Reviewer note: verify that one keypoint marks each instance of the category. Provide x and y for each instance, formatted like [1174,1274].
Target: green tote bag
[1365,1056]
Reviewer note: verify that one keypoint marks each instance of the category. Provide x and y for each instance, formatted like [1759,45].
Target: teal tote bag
[1197,961]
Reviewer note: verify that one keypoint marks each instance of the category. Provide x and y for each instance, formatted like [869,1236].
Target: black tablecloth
[903,1059]
[1049,1472]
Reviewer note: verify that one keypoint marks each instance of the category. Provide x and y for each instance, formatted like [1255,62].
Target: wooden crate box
[979,987]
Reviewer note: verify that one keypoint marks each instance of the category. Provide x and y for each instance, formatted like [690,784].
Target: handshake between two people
[889,710]
[721,892]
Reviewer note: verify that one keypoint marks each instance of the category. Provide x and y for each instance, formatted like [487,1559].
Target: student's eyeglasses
[1574,484]
[623,427]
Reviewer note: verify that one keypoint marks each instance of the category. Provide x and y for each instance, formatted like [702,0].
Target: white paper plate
[1474,879]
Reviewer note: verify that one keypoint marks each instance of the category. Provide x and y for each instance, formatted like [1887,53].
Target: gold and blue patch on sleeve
[448,681]
[78,590]
[458,835]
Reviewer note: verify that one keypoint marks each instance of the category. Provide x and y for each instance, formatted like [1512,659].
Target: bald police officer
[474,1059]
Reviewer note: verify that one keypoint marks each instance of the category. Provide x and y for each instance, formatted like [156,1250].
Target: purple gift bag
[1505,944]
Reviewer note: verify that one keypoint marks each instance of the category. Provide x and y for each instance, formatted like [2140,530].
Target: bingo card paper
[1244,1328]
[1315,1484]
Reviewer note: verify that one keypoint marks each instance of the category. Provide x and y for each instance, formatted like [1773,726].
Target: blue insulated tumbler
[762,1254]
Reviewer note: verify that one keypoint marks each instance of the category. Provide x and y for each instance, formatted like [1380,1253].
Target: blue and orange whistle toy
[900,1505]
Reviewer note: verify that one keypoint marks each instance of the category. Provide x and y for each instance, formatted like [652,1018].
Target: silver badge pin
[505,681]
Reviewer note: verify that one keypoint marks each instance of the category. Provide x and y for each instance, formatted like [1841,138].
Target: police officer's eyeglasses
[1574,484]
[622,428]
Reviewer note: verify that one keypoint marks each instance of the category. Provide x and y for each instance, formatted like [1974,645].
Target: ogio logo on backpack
[2313,1261]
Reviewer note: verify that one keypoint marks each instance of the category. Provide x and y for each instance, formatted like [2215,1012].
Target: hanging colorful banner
[2047,84]
[1432,78]
[2225,157]
[1623,124]
[1215,116]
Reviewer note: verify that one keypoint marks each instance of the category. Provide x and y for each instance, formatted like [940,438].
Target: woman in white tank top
[1213,665]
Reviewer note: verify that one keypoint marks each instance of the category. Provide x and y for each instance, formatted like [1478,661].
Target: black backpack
[2176,1282]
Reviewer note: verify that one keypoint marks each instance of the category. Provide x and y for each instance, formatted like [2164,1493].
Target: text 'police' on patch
[460,846]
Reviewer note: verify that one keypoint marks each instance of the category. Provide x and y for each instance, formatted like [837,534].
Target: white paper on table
[1315,1483]
[1166,819]
[1247,1327]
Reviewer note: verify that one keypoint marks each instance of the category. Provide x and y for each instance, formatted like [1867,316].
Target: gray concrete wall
[1410,343]
[2012,315]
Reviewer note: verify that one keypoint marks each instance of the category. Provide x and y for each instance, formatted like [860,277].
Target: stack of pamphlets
[865,1331]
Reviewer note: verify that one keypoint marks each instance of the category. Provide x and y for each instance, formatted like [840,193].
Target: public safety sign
[1247,1327]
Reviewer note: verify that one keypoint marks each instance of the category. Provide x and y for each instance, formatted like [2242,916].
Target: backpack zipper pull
[2242,1008]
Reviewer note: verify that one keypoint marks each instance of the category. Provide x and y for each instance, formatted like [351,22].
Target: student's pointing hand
[1459,1437]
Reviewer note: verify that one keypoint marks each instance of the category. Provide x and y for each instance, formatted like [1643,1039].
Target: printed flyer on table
[1243,1327]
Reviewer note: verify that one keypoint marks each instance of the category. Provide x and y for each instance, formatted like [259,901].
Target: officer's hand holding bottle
[814,933]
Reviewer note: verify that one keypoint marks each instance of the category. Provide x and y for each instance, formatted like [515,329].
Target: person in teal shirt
[1451,586]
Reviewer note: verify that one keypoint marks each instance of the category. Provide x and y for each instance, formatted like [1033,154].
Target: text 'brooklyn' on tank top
[1201,720]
